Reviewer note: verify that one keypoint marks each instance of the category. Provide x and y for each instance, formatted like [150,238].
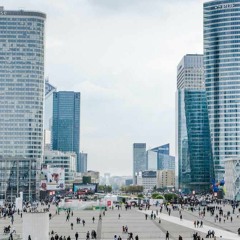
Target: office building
[21,99]
[21,83]
[66,123]
[222,73]
[149,180]
[165,179]
[194,168]
[232,179]
[66,160]
[158,158]
[139,159]
[48,105]
[84,157]
[18,175]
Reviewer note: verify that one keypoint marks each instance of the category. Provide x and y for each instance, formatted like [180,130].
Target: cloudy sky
[122,56]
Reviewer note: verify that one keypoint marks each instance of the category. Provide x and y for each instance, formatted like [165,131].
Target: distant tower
[48,114]
[139,159]
[66,123]
[84,158]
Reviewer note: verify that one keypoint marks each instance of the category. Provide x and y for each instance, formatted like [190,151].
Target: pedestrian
[76,235]
[180,237]
[119,216]
[88,236]
[167,235]
[71,226]
[29,237]
[83,223]
[93,219]
[136,237]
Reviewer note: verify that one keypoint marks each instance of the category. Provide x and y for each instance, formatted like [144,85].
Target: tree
[105,188]
[132,189]
[170,196]
[157,196]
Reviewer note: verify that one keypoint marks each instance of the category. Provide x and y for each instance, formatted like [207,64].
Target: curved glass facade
[21,83]
[222,78]
[194,145]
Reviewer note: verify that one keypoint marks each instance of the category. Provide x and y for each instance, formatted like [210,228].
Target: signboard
[52,178]
[82,188]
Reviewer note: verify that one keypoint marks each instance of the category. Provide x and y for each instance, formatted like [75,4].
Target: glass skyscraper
[158,158]
[21,101]
[139,159]
[222,78]
[193,152]
[66,123]
[21,83]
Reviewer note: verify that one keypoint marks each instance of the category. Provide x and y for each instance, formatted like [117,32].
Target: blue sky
[122,56]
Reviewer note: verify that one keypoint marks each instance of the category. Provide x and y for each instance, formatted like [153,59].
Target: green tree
[132,189]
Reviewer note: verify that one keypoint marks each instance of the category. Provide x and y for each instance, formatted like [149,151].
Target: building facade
[21,83]
[222,72]
[84,157]
[232,179]
[165,179]
[18,175]
[66,123]
[158,158]
[149,180]
[66,160]
[194,156]
[139,159]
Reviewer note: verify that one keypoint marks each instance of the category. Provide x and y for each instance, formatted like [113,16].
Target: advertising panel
[52,178]
[82,188]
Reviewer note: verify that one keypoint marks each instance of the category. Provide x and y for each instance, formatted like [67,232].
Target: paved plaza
[135,219]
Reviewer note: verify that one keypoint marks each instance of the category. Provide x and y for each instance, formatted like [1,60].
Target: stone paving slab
[135,220]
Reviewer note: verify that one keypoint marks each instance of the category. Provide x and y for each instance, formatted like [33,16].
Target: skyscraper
[66,123]
[48,114]
[48,104]
[158,158]
[193,152]
[222,78]
[21,83]
[21,101]
[139,159]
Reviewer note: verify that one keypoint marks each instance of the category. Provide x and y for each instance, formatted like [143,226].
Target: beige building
[165,178]
[95,176]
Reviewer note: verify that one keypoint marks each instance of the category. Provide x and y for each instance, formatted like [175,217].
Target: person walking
[76,235]
[93,219]
[167,235]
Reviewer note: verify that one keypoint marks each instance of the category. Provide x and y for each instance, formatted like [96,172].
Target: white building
[232,178]
[149,180]
[66,160]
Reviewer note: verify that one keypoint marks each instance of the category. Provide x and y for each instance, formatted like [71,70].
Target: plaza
[111,224]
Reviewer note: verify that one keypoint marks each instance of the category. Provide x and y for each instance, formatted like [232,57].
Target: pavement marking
[189,224]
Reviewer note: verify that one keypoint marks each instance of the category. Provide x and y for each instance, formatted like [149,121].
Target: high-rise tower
[21,101]
[66,123]
[139,159]
[193,148]
[222,78]
[21,83]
